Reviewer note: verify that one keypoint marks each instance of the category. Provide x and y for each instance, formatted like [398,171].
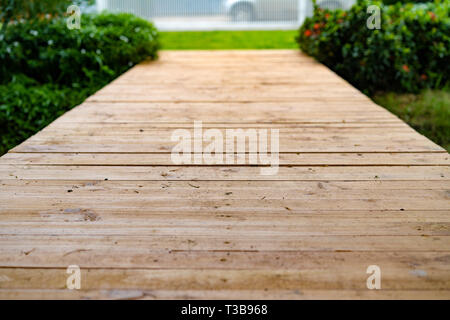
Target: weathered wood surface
[97,188]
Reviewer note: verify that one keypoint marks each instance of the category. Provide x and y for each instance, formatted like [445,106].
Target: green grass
[427,112]
[212,40]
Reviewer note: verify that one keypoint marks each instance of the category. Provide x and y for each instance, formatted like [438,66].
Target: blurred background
[189,15]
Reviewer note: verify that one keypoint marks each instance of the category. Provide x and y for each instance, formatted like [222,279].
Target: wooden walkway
[97,188]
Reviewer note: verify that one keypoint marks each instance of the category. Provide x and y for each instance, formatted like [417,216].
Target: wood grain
[97,188]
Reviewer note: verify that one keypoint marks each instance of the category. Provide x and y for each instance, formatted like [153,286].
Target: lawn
[427,112]
[228,40]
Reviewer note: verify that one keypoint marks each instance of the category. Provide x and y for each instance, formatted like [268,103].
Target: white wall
[101,5]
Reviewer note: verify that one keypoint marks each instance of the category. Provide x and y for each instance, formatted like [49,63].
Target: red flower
[423,77]
[308,33]
[316,26]
[432,15]
[327,16]
[405,68]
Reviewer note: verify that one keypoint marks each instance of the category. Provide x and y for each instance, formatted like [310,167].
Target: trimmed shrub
[48,52]
[409,52]
[26,107]
[46,69]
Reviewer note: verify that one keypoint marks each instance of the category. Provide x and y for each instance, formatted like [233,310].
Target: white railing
[221,14]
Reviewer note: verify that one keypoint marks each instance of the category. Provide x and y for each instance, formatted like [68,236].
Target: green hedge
[46,69]
[47,51]
[26,107]
[410,51]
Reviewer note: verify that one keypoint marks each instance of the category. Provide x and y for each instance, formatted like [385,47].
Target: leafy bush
[45,68]
[409,52]
[26,107]
[47,51]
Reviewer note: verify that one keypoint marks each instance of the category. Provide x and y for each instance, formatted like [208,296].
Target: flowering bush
[409,52]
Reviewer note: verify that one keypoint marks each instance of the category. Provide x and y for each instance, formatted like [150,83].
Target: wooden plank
[144,143]
[194,230]
[148,132]
[307,111]
[120,257]
[220,242]
[122,94]
[136,294]
[239,189]
[227,216]
[286,159]
[238,173]
[125,145]
[292,206]
[290,197]
[242,279]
